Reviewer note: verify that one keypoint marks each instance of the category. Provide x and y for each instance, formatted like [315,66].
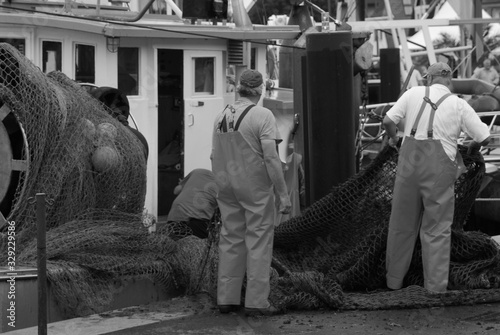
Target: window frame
[75,44]
[138,68]
[61,60]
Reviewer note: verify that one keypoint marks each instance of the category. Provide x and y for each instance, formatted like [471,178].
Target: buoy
[105,158]
[106,134]
[106,129]
[88,127]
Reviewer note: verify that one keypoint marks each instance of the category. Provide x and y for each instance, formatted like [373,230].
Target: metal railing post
[41,264]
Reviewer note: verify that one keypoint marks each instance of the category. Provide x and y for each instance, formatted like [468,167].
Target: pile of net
[75,152]
[334,253]
[331,256]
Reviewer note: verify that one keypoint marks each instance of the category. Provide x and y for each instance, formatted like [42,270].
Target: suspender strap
[223,125]
[434,107]
[422,107]
[433,112]
[242,116]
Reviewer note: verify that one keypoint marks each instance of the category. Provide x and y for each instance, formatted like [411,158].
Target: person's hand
[473,146]
[393,142]
[285,204]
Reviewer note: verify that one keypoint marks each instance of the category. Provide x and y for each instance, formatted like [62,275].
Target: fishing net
[331,256]
[73,151]
[335,250]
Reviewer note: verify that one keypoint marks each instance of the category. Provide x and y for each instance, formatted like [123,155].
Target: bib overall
[423,202]
[246,202]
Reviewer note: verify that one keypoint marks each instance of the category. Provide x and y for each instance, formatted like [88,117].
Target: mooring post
[41,264]
[330,140]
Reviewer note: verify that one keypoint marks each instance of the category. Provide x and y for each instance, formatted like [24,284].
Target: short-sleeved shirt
[259,124]
[197,198]
[453,116]
[490,76]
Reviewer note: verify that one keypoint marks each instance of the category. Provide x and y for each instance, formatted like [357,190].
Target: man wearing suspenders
[428,166]
[248,170]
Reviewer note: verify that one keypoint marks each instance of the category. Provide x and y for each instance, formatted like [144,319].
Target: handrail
[377,105]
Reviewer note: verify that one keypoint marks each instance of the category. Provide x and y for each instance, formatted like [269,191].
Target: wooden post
[331,131]
[41,264]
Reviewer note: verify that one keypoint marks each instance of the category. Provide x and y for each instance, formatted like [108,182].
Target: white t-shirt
[453,116]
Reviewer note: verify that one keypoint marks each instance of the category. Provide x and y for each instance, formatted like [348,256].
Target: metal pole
[41,264]
[478,30]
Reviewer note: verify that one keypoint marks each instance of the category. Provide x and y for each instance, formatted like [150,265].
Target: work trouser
[245,245]
[248,214]
[423,203]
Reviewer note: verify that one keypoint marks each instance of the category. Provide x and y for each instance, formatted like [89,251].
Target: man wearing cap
[428,165]
[247,169]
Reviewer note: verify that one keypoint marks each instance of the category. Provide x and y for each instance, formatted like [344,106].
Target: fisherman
[428,166]
[196,203]
[247,166]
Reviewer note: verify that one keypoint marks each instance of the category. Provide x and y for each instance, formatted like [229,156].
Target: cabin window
[128,70]
[204,75]
[18,43]
[51,56]
[85,63]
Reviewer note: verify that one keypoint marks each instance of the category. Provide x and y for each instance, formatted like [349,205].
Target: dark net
[331,256]
[337,247]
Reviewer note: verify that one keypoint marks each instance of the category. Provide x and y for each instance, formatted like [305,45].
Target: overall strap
[422,107]
[434,107]
[242,116]
[222,126]
[433,112]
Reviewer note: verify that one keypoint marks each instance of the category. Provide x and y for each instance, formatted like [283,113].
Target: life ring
[14,162]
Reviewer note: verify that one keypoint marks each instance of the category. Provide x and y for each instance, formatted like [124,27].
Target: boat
[176,72]
[155,54]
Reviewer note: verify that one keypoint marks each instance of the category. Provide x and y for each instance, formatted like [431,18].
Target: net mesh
[331,256]
[77,154]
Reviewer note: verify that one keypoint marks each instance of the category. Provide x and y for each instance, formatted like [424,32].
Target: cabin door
[203,100]
[170,128]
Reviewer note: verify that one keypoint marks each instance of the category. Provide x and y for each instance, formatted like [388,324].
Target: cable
[319,10]
[465,58]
